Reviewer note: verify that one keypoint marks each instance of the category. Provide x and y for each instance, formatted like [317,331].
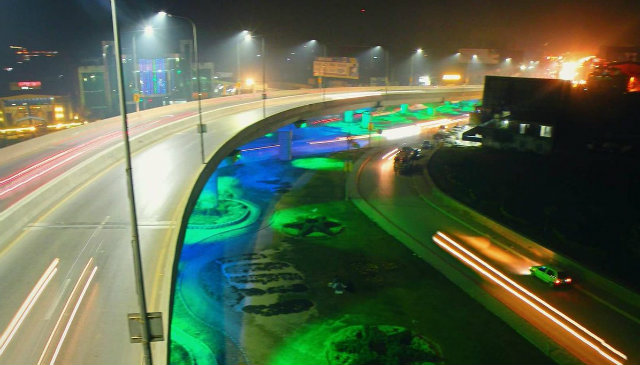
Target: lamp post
[135,244]
[201,127]
[244,34]
[148,30]
[264,72]
[418,51]
[322,76]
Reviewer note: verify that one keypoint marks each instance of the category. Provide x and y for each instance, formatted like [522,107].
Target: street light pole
[135,244]
[386,71]
[264,78]
[201,127]
[264,72]
[237,65]
[136,83]
[411,71]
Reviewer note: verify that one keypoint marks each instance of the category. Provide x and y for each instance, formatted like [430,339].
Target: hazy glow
[568,70]
[402,132]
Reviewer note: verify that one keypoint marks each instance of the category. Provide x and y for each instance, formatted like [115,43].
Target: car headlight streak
[521,293]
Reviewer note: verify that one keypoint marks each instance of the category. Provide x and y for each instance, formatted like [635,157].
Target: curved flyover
[64,226]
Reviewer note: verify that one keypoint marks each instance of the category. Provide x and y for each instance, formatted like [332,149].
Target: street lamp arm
[197,62]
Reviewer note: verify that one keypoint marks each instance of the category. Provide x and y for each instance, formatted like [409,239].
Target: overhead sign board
[337,67]
[25,85]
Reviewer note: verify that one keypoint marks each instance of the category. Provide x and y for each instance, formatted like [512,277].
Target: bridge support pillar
[285,138]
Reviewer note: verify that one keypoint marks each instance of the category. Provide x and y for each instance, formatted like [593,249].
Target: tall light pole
[201,127]
[135,244]
[148,30]
[264,81]
[264,72]
[418,51]
[322,77]
[244,34]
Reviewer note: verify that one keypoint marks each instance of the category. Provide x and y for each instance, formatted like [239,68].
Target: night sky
[75,27]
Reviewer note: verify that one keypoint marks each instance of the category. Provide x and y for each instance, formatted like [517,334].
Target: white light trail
[26,306]
[73,314]
[64,310]
[525,300]
[564,316]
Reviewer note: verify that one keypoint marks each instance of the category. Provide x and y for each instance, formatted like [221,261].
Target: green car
[551,276]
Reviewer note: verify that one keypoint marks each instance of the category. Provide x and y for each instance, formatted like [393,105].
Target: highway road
[581,324]
[67,275]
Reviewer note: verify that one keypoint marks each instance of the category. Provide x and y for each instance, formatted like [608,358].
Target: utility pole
[264,81]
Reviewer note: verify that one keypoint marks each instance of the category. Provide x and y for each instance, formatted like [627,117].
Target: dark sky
[75,27]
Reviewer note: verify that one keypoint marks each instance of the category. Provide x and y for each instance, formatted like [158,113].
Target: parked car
[550,275]
[426,145]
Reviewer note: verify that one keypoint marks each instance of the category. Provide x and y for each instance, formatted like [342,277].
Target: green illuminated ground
[392,117]
[276,321]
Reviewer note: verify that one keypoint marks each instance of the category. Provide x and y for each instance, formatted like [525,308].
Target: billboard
[153,76]
[337,67]
[25,85]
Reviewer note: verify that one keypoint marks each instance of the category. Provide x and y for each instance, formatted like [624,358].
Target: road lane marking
[437,239]
[28,303]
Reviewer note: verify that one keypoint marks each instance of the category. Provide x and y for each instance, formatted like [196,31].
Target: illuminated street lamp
[418,52]
[201,127]
[147,31]
[248,37]
[135,243]
[244,34]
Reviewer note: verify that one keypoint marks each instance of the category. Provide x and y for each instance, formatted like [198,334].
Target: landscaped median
[385,285]
[317,282]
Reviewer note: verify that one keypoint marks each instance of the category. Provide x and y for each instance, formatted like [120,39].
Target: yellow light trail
[437,239]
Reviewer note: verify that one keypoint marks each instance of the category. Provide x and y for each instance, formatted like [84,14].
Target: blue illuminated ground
[234,243]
